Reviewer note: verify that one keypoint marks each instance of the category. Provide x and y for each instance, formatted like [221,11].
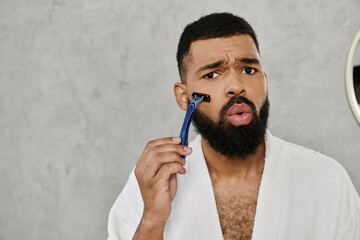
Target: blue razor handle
[197,98]
[187,121]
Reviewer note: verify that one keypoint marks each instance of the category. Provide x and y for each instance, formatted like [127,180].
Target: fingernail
[176,139]
[187,149]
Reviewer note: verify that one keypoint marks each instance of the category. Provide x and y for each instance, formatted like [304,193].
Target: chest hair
[237,215]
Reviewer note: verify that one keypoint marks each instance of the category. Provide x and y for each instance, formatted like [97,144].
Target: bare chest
[237,215]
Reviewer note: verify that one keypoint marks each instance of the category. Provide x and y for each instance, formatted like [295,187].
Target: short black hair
[214,25]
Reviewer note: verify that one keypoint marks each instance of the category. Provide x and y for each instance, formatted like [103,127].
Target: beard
[234,141]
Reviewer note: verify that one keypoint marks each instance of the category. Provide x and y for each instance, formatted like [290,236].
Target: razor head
[206,97]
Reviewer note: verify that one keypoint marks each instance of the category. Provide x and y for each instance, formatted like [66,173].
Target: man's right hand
[156,175]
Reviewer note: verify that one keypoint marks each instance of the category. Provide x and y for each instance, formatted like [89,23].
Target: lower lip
[239,120]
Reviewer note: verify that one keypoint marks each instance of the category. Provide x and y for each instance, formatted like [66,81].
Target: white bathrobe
[303,195]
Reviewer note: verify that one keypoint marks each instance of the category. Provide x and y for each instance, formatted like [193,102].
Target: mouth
[240,114]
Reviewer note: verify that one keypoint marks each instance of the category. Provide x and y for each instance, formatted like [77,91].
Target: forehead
[227,49]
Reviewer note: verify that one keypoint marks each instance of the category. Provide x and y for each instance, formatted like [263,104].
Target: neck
[221,166]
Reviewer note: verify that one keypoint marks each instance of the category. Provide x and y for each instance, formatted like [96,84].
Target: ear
[180,92]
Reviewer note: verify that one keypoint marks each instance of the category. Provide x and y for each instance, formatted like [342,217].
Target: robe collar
[269,202]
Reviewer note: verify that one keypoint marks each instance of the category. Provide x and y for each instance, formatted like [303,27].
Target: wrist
[148,221]
[149,229]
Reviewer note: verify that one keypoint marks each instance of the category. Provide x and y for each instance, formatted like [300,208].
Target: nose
[235,86]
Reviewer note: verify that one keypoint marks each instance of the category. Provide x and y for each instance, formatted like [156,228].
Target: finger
[167,170]
[158,156]
[163,158]
[149,166]
[158,150]
[156,153]
[173,186]
[152,144]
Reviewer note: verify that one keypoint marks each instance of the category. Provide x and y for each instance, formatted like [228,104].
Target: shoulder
[307,161]
[320,183]
[130,196]
[313,172]
[126,212]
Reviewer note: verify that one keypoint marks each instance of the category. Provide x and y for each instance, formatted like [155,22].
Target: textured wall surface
[84,84]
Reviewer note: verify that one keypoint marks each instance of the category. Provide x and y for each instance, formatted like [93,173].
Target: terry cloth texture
[303,195]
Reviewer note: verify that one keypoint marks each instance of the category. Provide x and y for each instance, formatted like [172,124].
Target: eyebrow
[220,62]
[248,60]
[211,65]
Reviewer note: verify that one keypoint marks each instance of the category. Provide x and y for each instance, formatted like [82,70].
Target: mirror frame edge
[349,77]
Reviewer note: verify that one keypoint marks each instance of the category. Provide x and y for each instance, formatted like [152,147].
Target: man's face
[234,122]
[223,68]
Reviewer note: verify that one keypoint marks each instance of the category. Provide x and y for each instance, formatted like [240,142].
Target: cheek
[212,108]
[258,94]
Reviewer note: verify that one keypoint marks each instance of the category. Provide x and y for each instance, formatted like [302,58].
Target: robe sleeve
[349,216]
[126,213]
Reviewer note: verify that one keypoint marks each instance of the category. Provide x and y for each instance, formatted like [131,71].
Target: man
[238,181]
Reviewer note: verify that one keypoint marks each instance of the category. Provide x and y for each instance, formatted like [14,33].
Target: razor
[197,98]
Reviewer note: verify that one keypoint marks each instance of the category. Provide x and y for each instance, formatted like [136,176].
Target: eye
[211,75]
[248,70]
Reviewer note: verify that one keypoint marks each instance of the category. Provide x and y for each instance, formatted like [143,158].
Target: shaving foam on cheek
[197,98]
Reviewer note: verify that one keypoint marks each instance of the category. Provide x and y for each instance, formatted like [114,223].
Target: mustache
[236,100]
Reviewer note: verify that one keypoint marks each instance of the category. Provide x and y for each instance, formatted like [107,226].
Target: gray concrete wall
[84,84]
